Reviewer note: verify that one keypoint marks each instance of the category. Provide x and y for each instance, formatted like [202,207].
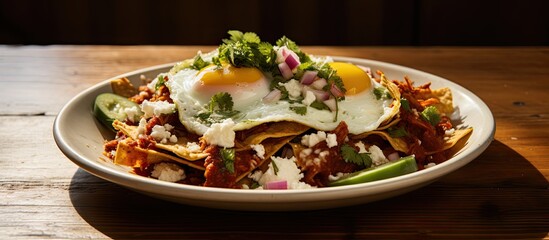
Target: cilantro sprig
[199,63]
[160,81]
[220,104]
[247,50]
[227,156]
[431,115]
[351,155]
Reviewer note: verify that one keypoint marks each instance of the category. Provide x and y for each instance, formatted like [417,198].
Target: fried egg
[191,91]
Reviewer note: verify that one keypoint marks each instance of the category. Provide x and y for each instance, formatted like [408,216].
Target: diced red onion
[308,77]
[336,91]
[292,61]
[281,54]
[319,83]
[285,70]
[283,184]
[321,95]
[393,156]
[273,96]
[331,103]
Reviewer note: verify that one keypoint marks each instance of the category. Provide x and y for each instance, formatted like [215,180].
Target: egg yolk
[354,78]
[229,75]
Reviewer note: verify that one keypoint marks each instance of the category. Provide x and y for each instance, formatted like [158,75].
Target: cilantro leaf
[381,92]
[319,105]
[227,156]
[351,155]
[159,82]
[397,132]
[247,50]
[431,115]
[405,104]
[199,63]
[275,167]
[221,102]
[251,37]
[301,110]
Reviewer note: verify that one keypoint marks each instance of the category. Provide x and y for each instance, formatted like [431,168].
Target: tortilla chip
[274,130]
[443,95]
[458,138]
[134,156]
[179,148]
[395,93]
[271,145]
[397,143]
[123,87]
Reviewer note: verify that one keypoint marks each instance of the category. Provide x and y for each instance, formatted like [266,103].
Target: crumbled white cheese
[449,132]
[193,147]
[377,156]
[293,87]
[361,147]
[157,108]
[324,154]
[168,172]
[131,113]
[430,165]
[162,134]
[313,138]
[287,170]
[259,150]
[221,134]
[305,152]
[142,126]
[309,98]
[331,139]
[337,176]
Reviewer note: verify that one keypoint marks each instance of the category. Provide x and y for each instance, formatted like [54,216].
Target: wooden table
[501,194]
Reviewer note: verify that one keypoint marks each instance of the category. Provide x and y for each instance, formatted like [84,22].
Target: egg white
[362,112]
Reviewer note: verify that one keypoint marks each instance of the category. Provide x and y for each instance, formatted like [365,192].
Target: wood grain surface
[503,194]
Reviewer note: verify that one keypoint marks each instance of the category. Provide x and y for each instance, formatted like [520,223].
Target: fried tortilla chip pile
[405,133]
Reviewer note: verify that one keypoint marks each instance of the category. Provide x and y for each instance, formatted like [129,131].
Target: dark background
[308,22]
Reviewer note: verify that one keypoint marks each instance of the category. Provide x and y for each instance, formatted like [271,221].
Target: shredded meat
[422,136]
[217,175]
[324,161]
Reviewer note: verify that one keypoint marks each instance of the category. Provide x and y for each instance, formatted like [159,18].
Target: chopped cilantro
[199,63]
[319,105]
[405,104]
[397,132]
[381,92]
[431,115]
[301,110]
[220,104]
[227,156]
[247,50]
[254,185]
[217,62]
[275,167]
[159,82]
[351,155]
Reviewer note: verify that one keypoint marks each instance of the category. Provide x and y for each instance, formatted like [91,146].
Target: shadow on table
[500,196]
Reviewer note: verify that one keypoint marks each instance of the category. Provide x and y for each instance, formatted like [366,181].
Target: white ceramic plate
[80,137]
